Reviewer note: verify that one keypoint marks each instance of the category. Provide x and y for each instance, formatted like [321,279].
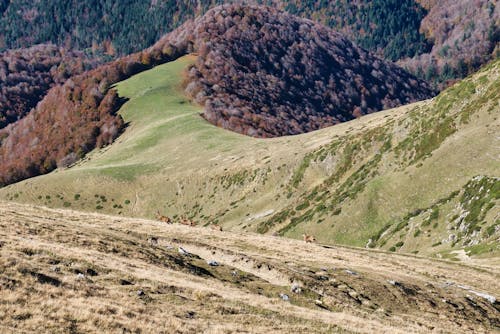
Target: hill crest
[80,115]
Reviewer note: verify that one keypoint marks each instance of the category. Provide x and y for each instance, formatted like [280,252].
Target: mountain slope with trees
[424,35]
[27,74]
[266,73]
[375,25]
[80,115]
[419,178]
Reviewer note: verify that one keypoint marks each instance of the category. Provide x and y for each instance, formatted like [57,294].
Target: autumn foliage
[260,72]
[74,118]
[27,74]
[266,73]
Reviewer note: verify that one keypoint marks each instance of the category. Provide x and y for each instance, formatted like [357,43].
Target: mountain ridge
[80,115]
[337,183]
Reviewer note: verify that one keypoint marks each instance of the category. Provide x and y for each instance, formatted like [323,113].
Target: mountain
[305,77]
[94,273]
[464,35]
[421,178]
[266,73]
[439,40]
[98,24]
[27,74]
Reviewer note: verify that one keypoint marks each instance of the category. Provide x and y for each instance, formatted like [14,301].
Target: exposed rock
[284,297]
[295,288]
[212,263]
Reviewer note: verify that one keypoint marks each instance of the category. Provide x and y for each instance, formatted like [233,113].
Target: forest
[280,67]
[267,73]
[288,75]
[27,74]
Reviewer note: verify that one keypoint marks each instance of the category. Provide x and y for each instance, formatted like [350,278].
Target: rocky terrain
[66,271]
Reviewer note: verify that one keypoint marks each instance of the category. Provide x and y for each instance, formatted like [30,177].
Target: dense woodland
[389,27]
[318,77]
[266,73]
[77,116]
[454,38]
[27,74]
[465,34]
[437,40]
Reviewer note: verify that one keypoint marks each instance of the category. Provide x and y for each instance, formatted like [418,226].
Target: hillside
[306,87]
[421,178]
[373,24]
[65,271]
[266,73]
[438,40]
[27,74]
[464,35]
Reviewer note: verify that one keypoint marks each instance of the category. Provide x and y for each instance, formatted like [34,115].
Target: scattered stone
[489,298]
[350,272]
[182,251]
[391,282]
[55,269]
[296,288]
[80,276]
[213,263]
[448,284]
[284,297]
[234,273]
[125,282]
[153,241]
[141,293]
[91,272]
[353,294]
[190,314]
[486,296]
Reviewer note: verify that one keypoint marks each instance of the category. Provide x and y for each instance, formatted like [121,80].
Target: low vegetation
[94,273]
[339,184]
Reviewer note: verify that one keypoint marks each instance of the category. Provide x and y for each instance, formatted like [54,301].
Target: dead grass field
[72,272]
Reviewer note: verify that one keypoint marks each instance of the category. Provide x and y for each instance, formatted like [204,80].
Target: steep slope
[464,34]
[374,181]
[80,115]
[373,24]
[95,273]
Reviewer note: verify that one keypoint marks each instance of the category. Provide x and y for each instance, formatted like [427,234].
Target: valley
[397,180]
[263,167]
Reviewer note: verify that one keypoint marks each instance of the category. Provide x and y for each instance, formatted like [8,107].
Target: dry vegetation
[354,183]
[65,271]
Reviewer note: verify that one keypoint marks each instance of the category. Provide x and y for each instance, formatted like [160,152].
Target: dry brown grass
[43,251]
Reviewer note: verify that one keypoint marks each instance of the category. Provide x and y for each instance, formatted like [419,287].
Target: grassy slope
[344,183]
[74,272]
